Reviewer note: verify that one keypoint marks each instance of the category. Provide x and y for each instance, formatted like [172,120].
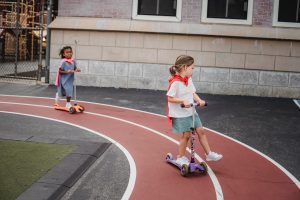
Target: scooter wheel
[204,171]
[81,108]
[169,156]
[72,110]
[184,170]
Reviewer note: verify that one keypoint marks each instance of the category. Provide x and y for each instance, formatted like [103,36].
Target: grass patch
[23,163]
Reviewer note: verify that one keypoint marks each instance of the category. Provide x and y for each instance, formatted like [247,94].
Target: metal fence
[22,43]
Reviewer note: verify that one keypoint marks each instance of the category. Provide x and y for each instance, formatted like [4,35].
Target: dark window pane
[228,9]
[167,7]
[288,11]
[157,7]
[147,7]
[237,9]
[216,8]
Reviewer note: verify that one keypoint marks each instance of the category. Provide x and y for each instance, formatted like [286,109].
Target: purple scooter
[192,166]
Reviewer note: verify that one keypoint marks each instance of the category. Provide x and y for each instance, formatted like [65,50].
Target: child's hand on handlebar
[201,103]
[186,104]
[70,71]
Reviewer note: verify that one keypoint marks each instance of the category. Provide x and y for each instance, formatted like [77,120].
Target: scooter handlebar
[193,104]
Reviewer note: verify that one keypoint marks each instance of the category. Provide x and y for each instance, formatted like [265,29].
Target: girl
[182,91]
[65,75]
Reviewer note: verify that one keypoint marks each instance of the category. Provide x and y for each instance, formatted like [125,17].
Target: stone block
[89,52]
[294,80]
[101,68]
[82,37]
[54,64]
[260,62]
[286,92]
[214,75]
[158,41]
[169,56]
[57,37]
[204,87]
[275,47]
[274,78]
[230,60]
[136,40]
[54,51]
[115,54]
[155,70]
[87,80]
[295,49]
[291,64]
[187,42]
[122,39]
[102,38]
[83,65]
[216,44]
[135,70]
[162,84]
[121,69]
[247,46]
[141,82]
[120,82]
[244,76]
[205,59]
[143,55]
[257,90]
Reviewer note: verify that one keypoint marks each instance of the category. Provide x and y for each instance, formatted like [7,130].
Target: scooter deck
[72,109]
[172,161]
[192,167]
[58,107]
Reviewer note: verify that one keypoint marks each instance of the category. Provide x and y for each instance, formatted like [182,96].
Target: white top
[179,90]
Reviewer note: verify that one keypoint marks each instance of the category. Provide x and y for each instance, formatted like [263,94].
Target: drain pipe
[49,19]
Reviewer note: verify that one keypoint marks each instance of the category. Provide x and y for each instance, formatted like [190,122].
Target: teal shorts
[184,124]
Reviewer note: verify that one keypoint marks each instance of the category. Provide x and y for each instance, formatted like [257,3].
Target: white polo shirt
[179,90]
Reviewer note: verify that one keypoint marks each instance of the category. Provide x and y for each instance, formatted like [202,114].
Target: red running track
[242,173]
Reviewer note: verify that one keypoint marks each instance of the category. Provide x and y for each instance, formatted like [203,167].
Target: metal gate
[22,42]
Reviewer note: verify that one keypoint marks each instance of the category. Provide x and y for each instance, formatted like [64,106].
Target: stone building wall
[224,65]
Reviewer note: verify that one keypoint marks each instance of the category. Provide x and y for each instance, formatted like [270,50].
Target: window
[161,10]
[227,11]
[286,13]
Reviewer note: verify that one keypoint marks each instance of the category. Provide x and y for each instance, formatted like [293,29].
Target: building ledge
[128,25]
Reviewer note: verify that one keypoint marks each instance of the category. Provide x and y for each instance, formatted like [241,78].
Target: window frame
[275,18]
[176,18]
[247,21]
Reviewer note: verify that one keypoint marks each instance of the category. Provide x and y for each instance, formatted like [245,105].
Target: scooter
[76,107]
[192,166]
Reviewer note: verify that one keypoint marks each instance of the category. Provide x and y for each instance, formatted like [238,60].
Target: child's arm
[61,71]
[179,101]
[198,100]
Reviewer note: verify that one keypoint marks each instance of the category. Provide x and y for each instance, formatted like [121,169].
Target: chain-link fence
[22,39]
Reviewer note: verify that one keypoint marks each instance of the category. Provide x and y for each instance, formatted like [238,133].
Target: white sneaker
[213,156]
[182,160]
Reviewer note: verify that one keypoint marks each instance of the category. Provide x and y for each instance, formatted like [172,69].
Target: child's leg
[210,156]
[68,104]
[56,98]
[183,143]
[203,139]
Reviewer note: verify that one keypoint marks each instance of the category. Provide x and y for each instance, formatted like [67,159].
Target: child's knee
[200,131]
[186,135]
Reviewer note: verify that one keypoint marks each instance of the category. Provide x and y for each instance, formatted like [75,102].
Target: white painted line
[216,184]
[132,176]
[297,103]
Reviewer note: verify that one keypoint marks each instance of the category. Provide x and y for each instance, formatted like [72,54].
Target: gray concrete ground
[270,125]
